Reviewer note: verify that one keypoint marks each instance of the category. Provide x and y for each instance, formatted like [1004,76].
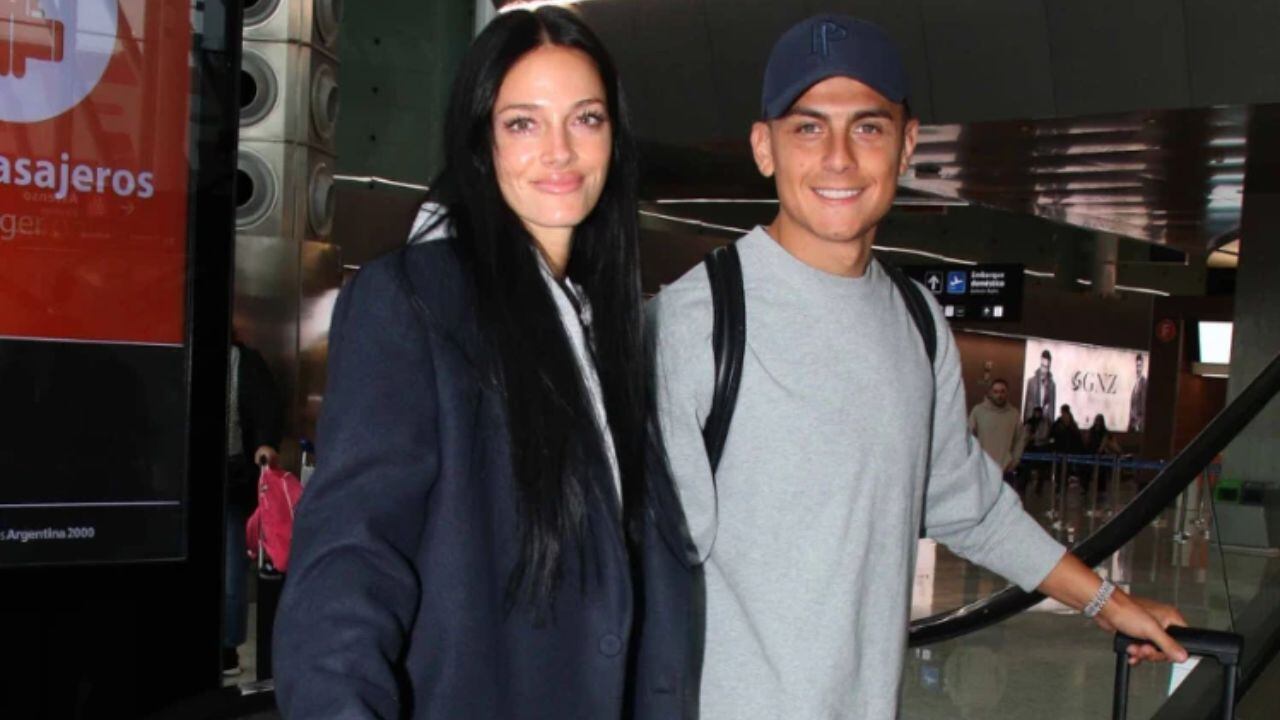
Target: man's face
[835,158]
[1138,365]
[1044,364]
[998,394]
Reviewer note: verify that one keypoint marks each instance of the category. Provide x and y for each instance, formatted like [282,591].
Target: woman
[1099,440]
[462,550]
[1065,433]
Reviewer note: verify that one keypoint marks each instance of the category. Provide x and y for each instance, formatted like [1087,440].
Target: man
[1041,391]
[998,427]
[1138,399]
[808,528]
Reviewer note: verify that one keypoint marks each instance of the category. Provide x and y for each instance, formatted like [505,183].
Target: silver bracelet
[1100,599]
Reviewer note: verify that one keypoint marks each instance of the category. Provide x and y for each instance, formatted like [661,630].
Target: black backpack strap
[918,306]
[728,341]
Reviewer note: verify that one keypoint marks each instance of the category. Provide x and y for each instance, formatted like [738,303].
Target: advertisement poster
[93,169]
[1092,380]
[94,116]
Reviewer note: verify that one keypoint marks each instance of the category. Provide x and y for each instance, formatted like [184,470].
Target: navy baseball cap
[827,46]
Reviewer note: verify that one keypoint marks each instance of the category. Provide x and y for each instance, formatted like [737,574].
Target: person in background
[1067,439]
[254,426]
[1035,430]
[999,430]
[465,549]
[1065,433]
[1099,440]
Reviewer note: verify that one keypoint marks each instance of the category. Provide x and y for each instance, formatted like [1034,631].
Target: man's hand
[1145,619]
[266,455]
[1073,583]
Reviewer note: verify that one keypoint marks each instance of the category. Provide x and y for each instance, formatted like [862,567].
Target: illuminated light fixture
[1095,200]
[1229,142]
[898,201]
[1095,149]
[535,4]
[1129,288]
[1148,291]
[1211,370]
[716,201]
[1215,342]
[925,253]
[375,180]
[1099,167]
[885,248]
[697,223]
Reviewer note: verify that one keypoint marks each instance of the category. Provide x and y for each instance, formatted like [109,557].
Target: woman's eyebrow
[538,106]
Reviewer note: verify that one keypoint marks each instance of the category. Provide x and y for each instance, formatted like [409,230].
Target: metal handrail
[1126,524]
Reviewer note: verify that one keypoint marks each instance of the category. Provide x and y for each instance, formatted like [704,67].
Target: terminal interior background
[1124,153]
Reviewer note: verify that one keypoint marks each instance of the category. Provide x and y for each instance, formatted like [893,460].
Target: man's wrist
[1100,599]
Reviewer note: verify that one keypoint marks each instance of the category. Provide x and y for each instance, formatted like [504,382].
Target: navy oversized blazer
[406,535]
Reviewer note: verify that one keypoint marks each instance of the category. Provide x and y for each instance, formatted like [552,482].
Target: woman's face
[552,140]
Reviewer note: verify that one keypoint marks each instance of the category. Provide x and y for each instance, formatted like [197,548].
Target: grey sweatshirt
[809,533]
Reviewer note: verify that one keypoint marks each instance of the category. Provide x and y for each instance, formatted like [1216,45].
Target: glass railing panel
[1049,662]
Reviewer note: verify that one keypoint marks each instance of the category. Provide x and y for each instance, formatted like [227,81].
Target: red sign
[1166,330]
[93,169]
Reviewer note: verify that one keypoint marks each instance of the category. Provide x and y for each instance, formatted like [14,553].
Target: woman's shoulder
[427,279]
[430,270]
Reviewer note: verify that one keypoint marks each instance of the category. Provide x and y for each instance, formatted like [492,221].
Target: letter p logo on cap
[826,32]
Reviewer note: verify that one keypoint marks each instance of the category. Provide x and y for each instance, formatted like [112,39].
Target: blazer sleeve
[353,587]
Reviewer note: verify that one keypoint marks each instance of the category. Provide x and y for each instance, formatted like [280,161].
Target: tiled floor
[1051,664]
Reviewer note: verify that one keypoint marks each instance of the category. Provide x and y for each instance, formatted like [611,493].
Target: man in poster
[1041,391]
[1138,399]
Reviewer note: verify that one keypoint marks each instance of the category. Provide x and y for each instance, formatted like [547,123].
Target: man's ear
[909,135]
[762,148]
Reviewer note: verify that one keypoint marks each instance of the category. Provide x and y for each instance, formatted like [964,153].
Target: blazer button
[610,645]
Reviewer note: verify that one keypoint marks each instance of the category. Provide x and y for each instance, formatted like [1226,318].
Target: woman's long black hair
[549,415]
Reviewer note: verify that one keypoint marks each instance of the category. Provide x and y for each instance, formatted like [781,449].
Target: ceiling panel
[1155,63]
[1232,51]
[662,55]
[988,58]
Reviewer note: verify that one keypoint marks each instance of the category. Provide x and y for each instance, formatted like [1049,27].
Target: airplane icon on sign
[26,34]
